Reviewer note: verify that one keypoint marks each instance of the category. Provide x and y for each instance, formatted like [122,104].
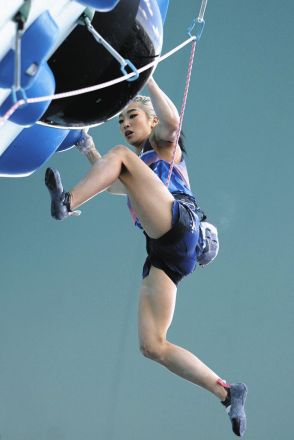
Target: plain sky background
[70,367]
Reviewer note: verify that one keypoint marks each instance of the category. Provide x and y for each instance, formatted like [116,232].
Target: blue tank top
[179,181]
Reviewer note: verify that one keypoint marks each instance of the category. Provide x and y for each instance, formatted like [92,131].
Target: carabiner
[200,26]
[132,67]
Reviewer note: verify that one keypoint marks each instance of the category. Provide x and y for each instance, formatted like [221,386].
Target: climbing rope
[182,110]
[199,21]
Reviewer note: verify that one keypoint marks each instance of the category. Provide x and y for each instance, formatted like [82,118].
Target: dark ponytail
[181,142]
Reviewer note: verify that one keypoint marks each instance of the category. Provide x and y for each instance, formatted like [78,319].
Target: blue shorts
[175,252]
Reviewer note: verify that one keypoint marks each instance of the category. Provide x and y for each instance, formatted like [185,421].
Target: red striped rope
[188,79]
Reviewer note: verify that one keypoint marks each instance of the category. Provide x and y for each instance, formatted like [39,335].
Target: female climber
[170,220]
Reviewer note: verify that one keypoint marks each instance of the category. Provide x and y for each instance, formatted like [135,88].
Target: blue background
[70,367]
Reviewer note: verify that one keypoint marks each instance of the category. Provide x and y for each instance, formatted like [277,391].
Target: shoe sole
[54,185]
[236,427]
[53,181]
[235,421]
